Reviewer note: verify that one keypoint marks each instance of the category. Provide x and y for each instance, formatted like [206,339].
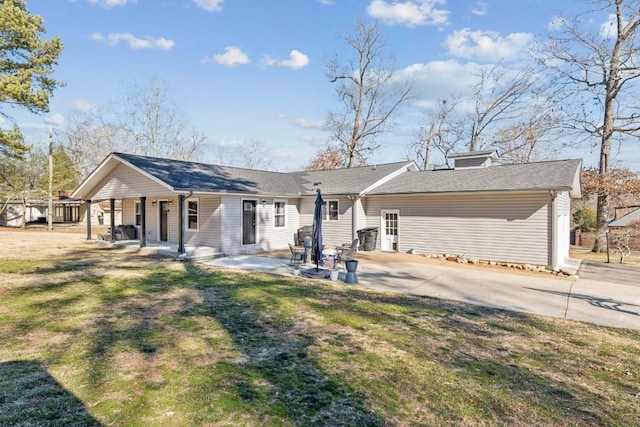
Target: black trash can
[368,237]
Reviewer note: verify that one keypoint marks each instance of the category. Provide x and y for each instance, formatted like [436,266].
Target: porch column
[88,217]
[143,221]
[180,224]
[112,206]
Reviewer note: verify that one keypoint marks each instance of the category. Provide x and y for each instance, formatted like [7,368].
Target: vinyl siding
[153,215]
[333,232]
[479,162]
[510,228]
[271,238]
[209,224]
[231,220]
[123,182]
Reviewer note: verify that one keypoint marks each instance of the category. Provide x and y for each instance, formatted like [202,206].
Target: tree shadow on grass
[30,396]
[275,371]
[482,381]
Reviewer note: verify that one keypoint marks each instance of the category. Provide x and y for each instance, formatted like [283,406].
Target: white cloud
[232,55]
[113,39]
[296,60]
[410,12]
[556,23]
[55,120]
[82,105]
[268,61]
[209,5]
[487,45]
[326,2]
[609,28]
[480,9]
[309,124]
[440,79]
[111,3]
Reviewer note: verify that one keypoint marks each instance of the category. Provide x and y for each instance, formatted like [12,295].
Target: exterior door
[249,222]
[389,231]
[164,221]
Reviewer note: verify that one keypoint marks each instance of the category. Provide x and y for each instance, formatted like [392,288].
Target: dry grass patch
[96,336]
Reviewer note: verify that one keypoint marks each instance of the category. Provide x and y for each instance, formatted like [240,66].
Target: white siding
[124,181]
[333,232]
[209,224]
[268,237]
[231,236]
[508,227]
[271,238]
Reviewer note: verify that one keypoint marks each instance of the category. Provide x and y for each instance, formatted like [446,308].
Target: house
[516,213]
[66,210]
[627,225]
[16,213]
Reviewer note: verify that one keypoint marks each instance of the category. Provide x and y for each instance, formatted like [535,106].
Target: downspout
[554,231]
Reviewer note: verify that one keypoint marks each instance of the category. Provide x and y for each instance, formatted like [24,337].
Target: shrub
[585,219]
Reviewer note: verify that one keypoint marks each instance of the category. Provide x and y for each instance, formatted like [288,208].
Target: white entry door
[389,230]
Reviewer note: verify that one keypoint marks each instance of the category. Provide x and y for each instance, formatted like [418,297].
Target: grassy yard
[98,337]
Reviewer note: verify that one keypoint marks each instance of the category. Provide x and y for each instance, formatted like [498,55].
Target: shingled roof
[390,178]
[626,220]
[559,175]
[180,175]
[201,177]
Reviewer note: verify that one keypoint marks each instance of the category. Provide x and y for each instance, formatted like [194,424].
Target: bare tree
[87,142]
[152,125]
[499,99]
[144,122]
[368,93]
[255,155]
[533,137]
[441,131]
[597,68]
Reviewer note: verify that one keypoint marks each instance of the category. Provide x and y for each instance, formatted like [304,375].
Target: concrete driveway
[600,296]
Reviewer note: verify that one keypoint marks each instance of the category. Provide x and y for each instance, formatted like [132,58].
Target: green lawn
[113,339]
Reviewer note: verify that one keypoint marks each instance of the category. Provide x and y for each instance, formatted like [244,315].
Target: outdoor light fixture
[154,202]
[264,204]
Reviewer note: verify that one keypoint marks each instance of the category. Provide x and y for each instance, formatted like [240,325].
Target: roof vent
[473,159]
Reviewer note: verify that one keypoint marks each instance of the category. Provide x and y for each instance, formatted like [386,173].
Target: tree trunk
[612,86]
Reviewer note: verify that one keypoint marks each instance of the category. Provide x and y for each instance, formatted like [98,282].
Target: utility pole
[50,179]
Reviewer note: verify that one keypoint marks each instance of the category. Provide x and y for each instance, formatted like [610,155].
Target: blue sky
[256,69]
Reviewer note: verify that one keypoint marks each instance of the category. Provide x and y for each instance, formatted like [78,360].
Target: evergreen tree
[26,65]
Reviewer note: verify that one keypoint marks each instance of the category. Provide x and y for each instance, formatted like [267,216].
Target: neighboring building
[512,213]
[65,211]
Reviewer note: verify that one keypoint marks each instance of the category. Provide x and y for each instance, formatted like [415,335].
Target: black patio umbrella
[316,245]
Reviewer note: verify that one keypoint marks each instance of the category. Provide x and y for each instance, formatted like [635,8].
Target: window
[331,210]
[279,214]
[138,213]
[192,214]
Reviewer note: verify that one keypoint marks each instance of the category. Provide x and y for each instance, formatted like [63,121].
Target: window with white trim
[138,213]
[331,209]
[192,214]
[279,213]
